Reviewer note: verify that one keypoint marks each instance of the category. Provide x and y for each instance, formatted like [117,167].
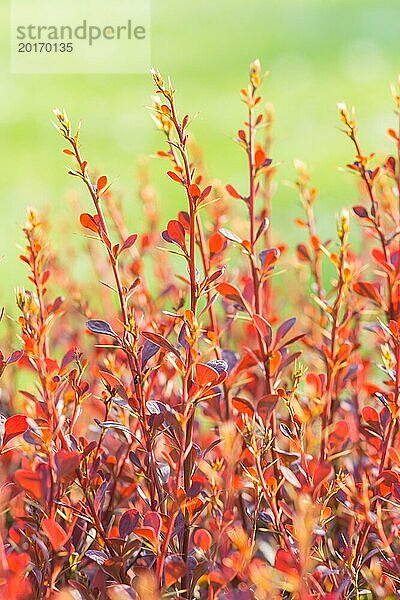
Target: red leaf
[268,258]
[322,473]
[396,490]
[263,327]
[371,416]
[111,379]
[174,570]
[148,534]
[88,222]
[379,256]
[232,191]
[340,433]
[202,538]
[284,329]
[216,243]
[368,290]
[386,481]
[230,292]
[266,405]
[56,534]
[33,482]
[14,426]
[260,157]
[160,341]
[194,191]
[153,519]
[206,192]
[184,219]
[176,232]
[174,176]
[67,463]
[15,357]
[128,243]
[284,562]
[243,406]
[128,522]
[205,375]
[101,183]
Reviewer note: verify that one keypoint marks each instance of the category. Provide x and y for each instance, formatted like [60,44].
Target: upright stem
[326,415]
[264,350]
[132,361]
[375,219]
[187,380]
[386,445]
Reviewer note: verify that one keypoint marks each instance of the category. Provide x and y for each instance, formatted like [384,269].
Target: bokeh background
[318,52]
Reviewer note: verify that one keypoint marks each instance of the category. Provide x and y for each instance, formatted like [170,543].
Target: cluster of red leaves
[193,440]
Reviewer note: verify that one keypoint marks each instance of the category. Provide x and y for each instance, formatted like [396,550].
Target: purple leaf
[148,351]
[284,328]
[230,358]
[220,366]
[100,327]
[128,522]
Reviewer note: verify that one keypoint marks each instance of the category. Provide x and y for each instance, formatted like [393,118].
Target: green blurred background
[318,52]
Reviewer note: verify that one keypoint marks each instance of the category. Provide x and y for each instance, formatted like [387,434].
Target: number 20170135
[45,47]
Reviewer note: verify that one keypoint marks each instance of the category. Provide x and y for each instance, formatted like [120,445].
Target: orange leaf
[176,232]
[194,191]
[175,569]
[264,328]
[205,375]
[284,562]
[174,176]
[30,481]
[202,538]
[55,533]
[230,292]
[67,462]
[216,243]
[88,222]
[148,534]
[101,183]
[232,191]
[243,406]
[193,506]
[14,426]
[368,290]
[260,157]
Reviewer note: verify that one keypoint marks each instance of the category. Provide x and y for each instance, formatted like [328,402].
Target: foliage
[194,440]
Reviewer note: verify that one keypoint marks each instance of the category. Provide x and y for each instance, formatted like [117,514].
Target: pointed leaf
[160,341]
[128,243]
[15,425]
[100,327]
[232,191]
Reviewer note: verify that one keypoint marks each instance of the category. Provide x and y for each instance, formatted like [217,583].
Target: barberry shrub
[210,417]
